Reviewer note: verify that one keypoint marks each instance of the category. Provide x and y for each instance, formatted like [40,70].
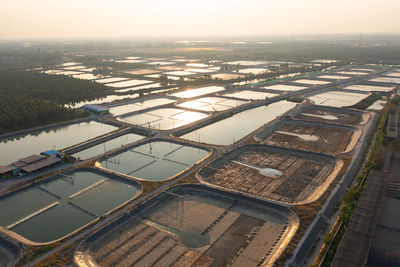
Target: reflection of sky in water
[58,138]
[248,94]
[306,81]
[107,146]
[239,125]
[334,77]
[164,118]
[51,216]
[198,91]
[285,87]
[155,161]
[337,99]
[369,88]
[386,80]
[212,103]
[140,105]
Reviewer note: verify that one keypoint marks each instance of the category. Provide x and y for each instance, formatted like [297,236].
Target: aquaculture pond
[249,94]
[395,80]
[285,87]
[309,81]
[333,77]
[239,125]
[154,161]
[337,98]
[63,204]
[190,223]
[57,138]
[163,118]
[212,103]
[103,100]
[128,83]
[139,105]
[108,145]
[369,88]
[198,91]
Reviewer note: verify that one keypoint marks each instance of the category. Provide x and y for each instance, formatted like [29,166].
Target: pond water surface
[62,204]
[239,125]
[57,138]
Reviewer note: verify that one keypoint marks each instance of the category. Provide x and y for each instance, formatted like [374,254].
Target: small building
[34,162]
[40,164]
[96,109]
[50,152]
[6,171]
[28,160]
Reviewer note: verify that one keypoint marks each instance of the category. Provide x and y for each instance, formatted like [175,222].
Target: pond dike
[254,104]
[102,139]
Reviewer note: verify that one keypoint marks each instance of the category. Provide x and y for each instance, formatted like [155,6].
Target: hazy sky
[134,18]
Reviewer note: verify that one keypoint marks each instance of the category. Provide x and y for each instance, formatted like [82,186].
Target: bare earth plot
[302,176]
[193,226]
[332,115]
[312,137]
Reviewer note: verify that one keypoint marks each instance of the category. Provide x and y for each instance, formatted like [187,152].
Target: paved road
[315,227]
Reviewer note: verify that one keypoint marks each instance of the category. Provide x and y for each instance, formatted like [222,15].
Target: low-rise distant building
[50,153]
[96,109]
[6,171]
[40,164]
[31,164]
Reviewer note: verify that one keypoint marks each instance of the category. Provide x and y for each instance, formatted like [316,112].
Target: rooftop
[41,164]
[31,159]
[5,169]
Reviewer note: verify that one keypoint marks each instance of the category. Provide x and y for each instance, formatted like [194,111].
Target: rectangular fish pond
[198,91]
[139,105]
[107,146]
[369,88]
[56,138]
[239,125]
[155,161]
[337,98]
[250,94]
[310,81]
[285,87]
[193,225]
[60,205]
[212,103]
[395,80]
[163,118]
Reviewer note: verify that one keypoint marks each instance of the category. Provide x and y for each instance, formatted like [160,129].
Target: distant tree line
[29,99]
[22,112]
[57,88]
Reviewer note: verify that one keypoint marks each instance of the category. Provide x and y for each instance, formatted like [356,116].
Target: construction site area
[310,136]
[193,224]
[284,175]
